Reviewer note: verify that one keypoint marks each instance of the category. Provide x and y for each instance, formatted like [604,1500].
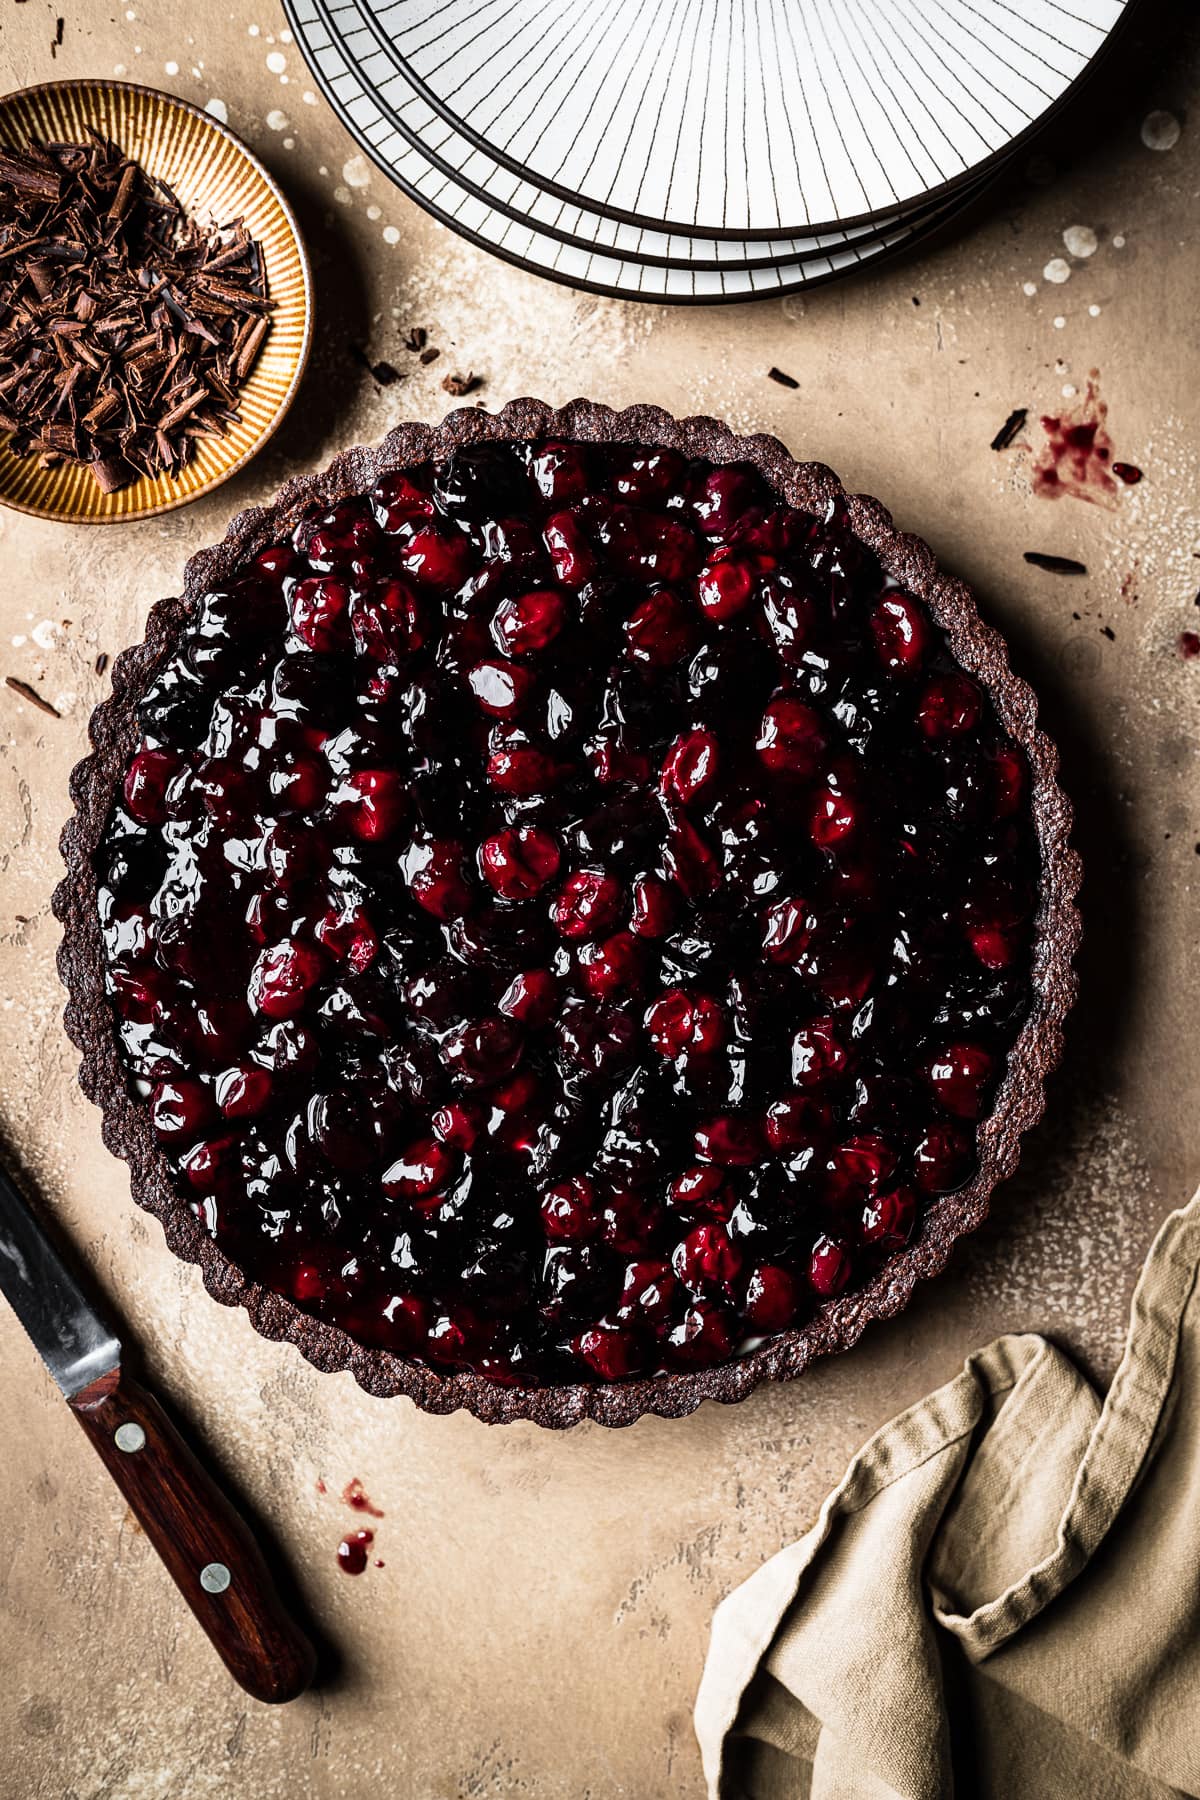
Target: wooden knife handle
[213,1560]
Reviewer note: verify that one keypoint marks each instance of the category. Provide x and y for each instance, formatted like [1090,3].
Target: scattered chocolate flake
[125,327]
[57,39]
[1007,434]
[1189,645]
[31,694]
[1057,565]
[417,338]
[459,385]
[784,380]
[916,299]
[385,373]
[1109,633]
[430,355]
[102,662]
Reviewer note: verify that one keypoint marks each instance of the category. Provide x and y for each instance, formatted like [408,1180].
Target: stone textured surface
[539,1624]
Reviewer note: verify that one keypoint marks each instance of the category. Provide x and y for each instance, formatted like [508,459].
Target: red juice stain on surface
[354,1495]
[1077,456]
[1189,645]
[321,1488]
[352,1551]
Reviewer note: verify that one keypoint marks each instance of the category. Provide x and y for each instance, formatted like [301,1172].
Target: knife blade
[68,1330]
[205,1543]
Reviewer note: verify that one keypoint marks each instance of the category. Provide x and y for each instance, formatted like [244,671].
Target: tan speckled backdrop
[539,1624]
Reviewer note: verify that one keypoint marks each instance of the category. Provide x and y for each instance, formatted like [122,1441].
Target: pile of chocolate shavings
[125,328]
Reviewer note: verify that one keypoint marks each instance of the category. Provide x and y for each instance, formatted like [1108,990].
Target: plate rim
[103,84]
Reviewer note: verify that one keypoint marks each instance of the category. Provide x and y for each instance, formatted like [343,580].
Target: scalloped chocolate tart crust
[568,915]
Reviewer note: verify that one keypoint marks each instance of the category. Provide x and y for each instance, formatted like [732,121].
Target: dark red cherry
[243,1091]
[570,1212]
[282,978]
[703,1336]
[561,472]
[691,764]
[341,537]
[458,1124]
[900,627]
[612,965]
[730,1141]
[943,1159]
[1009,780]
[589,903]
[797,1120]
[422,1171]
[818,1053]
[518,863]
[680,1022]
[611,1351]
[374,803]
[522,771]
[949,705]
[180,1109]
[725,588]
[386,621]
[299,781]
[146,782]
[524,624]
[648,1291]
[690,860]
[434,872]
[829,1267]
[660,631]
[887,1219]
[707,1258]
[629,1222]
[960,1075]
[772,1298]
[722,498]
[319,608]
[348,935]
[483,1051]
[834,817]
[654,907]
[791,615]
[437,557]
[791,738]
[530,998]
[570,553]
[787,930]
[857,1167]
[501,688]
[400,498]
[703,1192]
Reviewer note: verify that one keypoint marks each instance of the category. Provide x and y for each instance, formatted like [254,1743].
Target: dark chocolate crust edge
[1019,1102]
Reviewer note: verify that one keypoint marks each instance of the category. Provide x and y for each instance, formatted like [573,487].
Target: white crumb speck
[356,171]
[1081,240]
[219,111]
[1069,390]
[1160,130]
[1119,242]
[1059,323]
[118,69]
[374,212]
[1058,269]
[1093,311]
[171,68]
[391,235]
[43,634]
[19,640]
[276,61]
[289,143]
[1029,288]
[276,120]
[343,196]
[309,98]
[252,30]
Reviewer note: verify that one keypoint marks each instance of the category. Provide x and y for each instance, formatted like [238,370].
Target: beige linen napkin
[1001,1598]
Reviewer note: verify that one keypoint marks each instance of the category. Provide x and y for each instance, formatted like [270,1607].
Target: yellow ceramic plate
[216,179]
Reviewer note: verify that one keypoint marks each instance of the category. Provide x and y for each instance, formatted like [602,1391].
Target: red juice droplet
[352,1551]
[1189,645]
[1127,472]
[353,1494]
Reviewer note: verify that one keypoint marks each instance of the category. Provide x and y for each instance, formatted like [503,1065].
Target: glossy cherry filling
[568,913]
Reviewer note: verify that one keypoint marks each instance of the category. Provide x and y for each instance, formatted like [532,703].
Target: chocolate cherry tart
[568,915]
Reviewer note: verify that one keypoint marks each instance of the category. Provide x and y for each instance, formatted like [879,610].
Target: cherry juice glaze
[354,1550]
[1077,456]
[354,1496]
[568,912]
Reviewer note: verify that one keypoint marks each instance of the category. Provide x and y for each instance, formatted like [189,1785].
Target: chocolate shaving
[125,327]
[1007,433]
[430,355]
[102,662]
[1057,565]
[458,385]
[385,373]
[416,338]
[784,380]
[31,694]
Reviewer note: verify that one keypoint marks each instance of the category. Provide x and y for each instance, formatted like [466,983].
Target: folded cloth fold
[1002,1595]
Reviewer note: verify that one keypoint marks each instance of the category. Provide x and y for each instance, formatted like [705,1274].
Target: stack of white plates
[697,150]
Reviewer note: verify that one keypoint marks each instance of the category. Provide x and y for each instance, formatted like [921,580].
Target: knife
[207,1546]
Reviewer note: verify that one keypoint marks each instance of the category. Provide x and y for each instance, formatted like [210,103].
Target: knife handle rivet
[215,1578]
[129,1437]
